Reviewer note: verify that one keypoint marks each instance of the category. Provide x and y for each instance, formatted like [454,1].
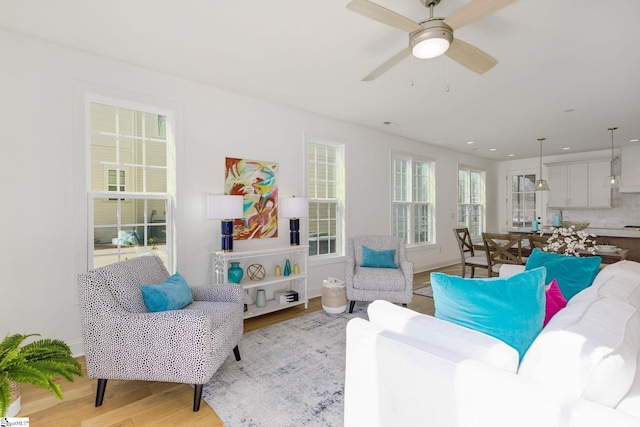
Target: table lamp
[294,208]
[225,208]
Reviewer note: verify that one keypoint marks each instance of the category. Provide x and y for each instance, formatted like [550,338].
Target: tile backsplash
[625,210]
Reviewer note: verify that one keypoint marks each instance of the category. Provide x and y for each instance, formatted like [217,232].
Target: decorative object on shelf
[613,181]
[541,184]
[278,271]
[556,220]
[225,208]
[261,298]
[294,208]
[296,269]
[256,182]
[256,272]
[287,268]
[569,241]
[235,272]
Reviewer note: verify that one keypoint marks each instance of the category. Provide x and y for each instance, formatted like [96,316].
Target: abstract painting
[257,182]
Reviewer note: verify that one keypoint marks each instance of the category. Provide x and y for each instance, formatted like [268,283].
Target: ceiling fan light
[431,42]
[430,48]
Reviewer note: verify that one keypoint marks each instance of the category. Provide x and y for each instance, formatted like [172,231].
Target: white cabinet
[579,185]
[271,283]
[599,190]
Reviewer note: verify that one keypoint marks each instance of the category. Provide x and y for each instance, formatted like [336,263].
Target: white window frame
[315,198]
[411,219]
[509,208]
[127,196]
[468,205]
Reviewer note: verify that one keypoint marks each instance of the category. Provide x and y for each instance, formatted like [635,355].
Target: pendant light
[613,180]
[541,184]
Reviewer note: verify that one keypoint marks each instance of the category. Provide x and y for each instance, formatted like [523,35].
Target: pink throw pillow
[555,301]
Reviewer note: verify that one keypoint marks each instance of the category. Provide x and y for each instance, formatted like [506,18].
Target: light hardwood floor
[143,403]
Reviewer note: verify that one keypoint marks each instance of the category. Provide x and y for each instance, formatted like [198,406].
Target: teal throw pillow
[572,273]
[510,309]
[378,259]
[173,294]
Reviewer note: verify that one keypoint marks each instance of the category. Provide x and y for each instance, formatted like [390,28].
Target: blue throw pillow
[510,309]
[173,294]
[572,273]
[378,259]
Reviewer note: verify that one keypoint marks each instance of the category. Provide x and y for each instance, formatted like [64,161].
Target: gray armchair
[369,284]
[123,341]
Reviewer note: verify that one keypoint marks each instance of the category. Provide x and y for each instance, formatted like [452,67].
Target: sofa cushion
[446,335]
[510,309]
[572,273]
[589,349]
[173,294]
[125,277]
[554,301]
[378,259]
[381,279]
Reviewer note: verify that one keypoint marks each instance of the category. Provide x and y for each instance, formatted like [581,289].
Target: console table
[268,258]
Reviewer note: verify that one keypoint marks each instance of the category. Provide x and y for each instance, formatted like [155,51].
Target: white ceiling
[568,69]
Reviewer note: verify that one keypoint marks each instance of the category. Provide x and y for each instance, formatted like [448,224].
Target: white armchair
[370,284]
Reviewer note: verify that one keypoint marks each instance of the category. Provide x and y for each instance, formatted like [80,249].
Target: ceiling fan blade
[390,63]
[383,15]
[470,56]
[475,10]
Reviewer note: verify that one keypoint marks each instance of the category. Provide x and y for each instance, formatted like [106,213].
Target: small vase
[278,271]
[235,272]
[287,268]
[261,298]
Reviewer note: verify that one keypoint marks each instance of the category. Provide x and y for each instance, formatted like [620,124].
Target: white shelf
[268,258]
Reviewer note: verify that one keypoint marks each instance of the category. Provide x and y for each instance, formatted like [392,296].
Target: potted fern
[35,363]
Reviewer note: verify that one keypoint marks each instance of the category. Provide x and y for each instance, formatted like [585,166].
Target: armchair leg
[404,305]
[353,304]
[102,386]
[197,397]
[236,352]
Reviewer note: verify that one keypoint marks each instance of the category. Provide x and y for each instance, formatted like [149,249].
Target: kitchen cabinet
[579,185]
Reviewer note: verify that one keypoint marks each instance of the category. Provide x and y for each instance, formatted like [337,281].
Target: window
[413,187]
[523,199]
[325,190]
[130,181]
[471,200]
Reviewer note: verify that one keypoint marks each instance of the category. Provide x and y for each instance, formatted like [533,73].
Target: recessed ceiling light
[492,149]
[470,142]
[388,123]
[511,155]
[476,149]
[569,110]
[566,148]
[634,140]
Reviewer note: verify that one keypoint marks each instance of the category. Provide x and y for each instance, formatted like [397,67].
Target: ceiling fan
[434,36]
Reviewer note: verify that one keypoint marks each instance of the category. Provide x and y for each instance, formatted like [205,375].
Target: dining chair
[502,248]
[467,252]
[537,240]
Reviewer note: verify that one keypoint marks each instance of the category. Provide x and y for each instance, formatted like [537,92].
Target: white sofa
[408,369]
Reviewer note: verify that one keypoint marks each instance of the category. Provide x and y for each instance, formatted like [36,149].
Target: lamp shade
[221,206]
[294,207]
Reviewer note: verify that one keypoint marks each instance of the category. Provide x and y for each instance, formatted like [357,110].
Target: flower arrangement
[569,241]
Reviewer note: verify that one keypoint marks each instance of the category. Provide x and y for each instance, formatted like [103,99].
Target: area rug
[425,291]
[291,374]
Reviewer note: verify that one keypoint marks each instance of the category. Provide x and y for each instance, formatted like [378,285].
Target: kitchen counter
[620,237]
[609,232]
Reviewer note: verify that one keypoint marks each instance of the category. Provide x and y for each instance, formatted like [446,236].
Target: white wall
[39,171]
